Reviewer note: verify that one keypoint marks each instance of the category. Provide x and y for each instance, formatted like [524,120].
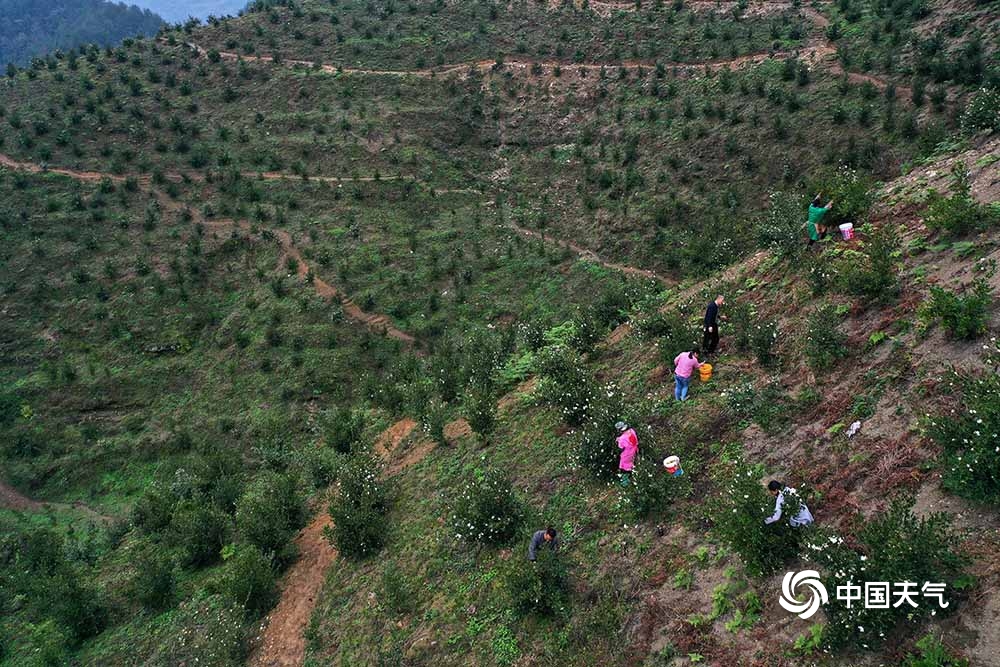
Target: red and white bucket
[847,231]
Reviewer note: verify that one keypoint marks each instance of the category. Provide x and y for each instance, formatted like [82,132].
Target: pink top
[684,365]
[628,442]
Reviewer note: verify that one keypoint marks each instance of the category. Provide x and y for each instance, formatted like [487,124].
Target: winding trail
[818,49]
[282,642]
[12,499]
[376,322]
[591,256]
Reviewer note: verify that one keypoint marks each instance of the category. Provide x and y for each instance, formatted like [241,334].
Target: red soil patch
[12,499]
[457,430]
[282,642]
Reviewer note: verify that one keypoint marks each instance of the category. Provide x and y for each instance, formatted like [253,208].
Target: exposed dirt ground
[282,641]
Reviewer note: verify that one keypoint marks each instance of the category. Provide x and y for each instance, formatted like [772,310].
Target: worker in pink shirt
[628,442]
[685,364]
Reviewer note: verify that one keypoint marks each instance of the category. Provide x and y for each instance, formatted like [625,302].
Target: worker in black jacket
[711,340]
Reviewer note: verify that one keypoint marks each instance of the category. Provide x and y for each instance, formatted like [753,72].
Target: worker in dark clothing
[541,538]
[711,340]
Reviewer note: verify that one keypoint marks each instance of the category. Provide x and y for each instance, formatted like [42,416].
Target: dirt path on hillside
[12,499]
[591,256]
[95,176]
[282,642]
[808,52]
[818,49]
[376,322]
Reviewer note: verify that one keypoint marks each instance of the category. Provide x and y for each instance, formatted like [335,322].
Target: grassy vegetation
[195,336]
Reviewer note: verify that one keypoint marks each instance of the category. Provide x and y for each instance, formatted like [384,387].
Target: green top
[816,213]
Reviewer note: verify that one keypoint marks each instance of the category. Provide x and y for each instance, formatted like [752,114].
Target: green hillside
[313,316]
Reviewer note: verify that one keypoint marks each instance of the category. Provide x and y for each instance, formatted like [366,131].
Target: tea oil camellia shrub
[359,511]
[959,213]
[763,336]
[344,430]
[780,228]
[249,579]
[739,513]
[825,343]
[932,653]
[597,449]
[487,510]
[852,194]
[270,510]
[874,273]
[541,588]
[895,546]
[964,316]
[651,490]
[970,436]
[568,383]
[982,112]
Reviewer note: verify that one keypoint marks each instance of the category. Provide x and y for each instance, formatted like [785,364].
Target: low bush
[741,320]
[541,587]
[651,491]
[763,403]
[344,429]
[153,582]
[398,592]
[270,510]
[982,112]
[738,516]
[568,383]
[487,510]
[199,530]
[964,317]
[932,653]
[852,194]
[205,630]
[895,546]
[481,409]
[825,343]
[874,273]
[597,450]
[359,511]
[959,213]
[248,580]
[780,229]
[969,436]
[763,336]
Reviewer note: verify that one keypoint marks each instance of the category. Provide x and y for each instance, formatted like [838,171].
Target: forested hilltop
[314,318]
[32,28]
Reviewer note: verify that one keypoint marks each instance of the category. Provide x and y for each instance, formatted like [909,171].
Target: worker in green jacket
[817,211]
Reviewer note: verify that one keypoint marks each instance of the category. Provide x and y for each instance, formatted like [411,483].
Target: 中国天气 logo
[810,580]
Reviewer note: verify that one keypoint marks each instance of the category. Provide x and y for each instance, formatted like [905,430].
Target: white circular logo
[810,579]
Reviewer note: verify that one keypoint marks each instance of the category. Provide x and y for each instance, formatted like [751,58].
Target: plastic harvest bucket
[705,372]
[847,231]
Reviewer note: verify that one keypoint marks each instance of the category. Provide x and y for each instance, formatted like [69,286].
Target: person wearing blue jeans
[685,364]
[681,388]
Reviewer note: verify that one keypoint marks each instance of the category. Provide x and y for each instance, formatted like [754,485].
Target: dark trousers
[711,340]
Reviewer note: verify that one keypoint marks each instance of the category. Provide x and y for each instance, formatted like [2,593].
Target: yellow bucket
[705,372]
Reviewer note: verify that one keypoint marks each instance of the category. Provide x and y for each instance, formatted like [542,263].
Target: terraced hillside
[313,315]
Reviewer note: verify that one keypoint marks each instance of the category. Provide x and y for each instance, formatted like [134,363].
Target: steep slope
[240,256]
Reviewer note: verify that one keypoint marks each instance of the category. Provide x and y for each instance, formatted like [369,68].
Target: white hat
[621,426]
[672,462]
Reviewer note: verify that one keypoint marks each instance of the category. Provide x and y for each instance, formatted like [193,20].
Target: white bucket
[847,231]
